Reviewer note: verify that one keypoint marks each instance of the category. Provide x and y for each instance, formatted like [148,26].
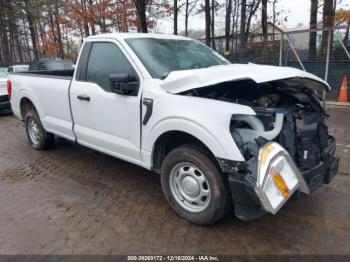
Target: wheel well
[171,140]
[25,105]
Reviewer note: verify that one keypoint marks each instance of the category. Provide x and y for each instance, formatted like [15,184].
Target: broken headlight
[278,177]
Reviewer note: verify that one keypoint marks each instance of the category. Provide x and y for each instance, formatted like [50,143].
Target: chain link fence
[327,57]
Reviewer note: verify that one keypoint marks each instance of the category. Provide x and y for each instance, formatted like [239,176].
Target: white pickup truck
[220,135]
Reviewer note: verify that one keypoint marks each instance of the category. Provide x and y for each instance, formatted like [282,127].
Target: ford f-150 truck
[222,136]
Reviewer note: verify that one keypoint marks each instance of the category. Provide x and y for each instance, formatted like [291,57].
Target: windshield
[162,56]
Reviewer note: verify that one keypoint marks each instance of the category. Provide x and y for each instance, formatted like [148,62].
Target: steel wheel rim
[33,131]
[190,187]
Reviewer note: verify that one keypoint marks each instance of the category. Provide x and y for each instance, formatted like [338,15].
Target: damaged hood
[180,81]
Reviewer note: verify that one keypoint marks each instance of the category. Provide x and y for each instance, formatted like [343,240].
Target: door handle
[84,97]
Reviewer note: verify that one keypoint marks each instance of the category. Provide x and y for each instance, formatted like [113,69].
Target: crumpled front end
[291,120]
[299,157]
[259,187]
[286,144]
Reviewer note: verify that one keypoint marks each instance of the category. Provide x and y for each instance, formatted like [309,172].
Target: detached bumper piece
[4,102]
[267,181]
[326,170]
[321,174]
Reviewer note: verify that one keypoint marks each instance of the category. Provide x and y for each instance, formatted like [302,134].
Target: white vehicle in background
[219,134]
[17,68]
[4,99]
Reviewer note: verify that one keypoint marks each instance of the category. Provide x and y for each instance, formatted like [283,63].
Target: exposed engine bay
[289,116]
[286,112]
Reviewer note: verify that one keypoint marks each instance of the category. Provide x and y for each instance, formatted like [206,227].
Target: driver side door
[103,119]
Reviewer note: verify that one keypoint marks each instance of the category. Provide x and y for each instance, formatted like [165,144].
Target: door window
[106,59]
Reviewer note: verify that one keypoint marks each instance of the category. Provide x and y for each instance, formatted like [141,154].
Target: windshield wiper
[165,75]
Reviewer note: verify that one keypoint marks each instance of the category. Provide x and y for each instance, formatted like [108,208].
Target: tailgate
[3,88]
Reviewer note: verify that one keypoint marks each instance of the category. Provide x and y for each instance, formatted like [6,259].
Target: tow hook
[278,177]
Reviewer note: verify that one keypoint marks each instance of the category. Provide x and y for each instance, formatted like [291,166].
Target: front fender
[207,120]
[221,145]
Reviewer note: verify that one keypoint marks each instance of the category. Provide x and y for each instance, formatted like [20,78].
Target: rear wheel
[193,185]
[37,136]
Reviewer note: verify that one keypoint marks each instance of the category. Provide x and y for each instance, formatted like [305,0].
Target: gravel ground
[72,200]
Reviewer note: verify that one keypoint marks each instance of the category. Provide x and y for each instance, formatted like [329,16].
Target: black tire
[45,139]
[218,202]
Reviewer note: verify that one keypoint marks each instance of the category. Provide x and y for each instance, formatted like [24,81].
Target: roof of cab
[121,36]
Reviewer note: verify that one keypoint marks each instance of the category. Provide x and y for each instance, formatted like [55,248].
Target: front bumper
[4,102]
[248,204]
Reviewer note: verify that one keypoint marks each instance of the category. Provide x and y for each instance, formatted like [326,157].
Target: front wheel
[37,136]
[193,185]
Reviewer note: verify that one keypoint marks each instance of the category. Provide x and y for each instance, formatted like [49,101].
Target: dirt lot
[72,200]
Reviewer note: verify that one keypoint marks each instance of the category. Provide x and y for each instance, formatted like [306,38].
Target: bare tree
[328,22]
[264,21]
[58,29]
[189,6]
[212,21]
[313,34]
[207,21]
[235,23]
[30,17]
[186,16]
[248,11]
[141,13]
[228,24]
[243,22]
[175,16]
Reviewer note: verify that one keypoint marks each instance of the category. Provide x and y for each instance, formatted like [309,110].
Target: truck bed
[49,90]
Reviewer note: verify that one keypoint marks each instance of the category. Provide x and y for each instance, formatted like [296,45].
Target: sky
[298,11]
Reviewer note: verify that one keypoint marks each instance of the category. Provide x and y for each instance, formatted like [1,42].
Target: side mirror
[123,84]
